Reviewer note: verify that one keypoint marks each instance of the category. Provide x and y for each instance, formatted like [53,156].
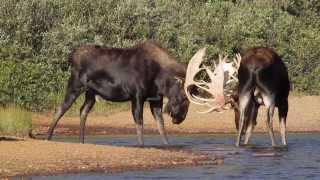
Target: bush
[15,121]
[37,35]
[30,84]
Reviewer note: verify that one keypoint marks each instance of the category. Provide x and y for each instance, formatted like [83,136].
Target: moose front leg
[85,109]
[137,112]
[156,109]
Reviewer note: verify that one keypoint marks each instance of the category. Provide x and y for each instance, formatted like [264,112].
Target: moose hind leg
[243,103]
[137,112]
[283,111]
[251,120]
[84,111]
[270,105]
[248,132]
[156,109]
[73,91]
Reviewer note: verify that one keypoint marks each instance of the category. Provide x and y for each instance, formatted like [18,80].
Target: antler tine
[212,108]
[192,70]
[225,59]
[216,87]
[237,60]
[194,67]
[203,99]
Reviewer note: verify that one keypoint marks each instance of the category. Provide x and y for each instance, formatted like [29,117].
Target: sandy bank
[34,157]
[303,116]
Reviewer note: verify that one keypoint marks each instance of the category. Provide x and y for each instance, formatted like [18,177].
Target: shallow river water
[301,160]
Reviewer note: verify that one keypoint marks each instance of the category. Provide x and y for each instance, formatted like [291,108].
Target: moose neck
[170,86]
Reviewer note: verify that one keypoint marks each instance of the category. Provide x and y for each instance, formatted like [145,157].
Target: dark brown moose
[263,80]
[258,78]
[142,73]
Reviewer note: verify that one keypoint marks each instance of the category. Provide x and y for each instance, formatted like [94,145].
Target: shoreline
[73,130]
[39,157]
[303,116]
[52,158]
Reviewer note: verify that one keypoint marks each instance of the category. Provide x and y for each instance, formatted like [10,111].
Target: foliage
[29,84]
[15,121]
[36,36]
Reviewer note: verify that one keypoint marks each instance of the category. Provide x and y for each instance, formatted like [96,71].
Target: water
[301,160]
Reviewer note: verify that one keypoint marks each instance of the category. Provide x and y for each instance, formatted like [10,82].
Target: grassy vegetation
[36,37]
[101,106]
[15,121]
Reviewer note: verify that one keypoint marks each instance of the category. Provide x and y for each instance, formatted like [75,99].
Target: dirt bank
[34,157]
[304,116]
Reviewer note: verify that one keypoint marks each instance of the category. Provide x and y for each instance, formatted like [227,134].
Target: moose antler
[218,87]
[232,69]
[215,87]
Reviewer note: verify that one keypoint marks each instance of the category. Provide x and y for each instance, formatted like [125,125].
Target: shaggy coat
[142,73]
[263,80]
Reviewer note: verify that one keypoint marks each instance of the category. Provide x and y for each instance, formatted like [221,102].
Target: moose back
[142,73]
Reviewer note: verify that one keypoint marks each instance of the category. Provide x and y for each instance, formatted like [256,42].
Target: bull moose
[263,80]
[260,78]
[145,72]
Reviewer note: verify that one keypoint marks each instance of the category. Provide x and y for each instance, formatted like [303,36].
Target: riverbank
[38,157]
[20,157]
[303,116]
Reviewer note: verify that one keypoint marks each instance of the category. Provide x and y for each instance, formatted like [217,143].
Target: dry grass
[15,121]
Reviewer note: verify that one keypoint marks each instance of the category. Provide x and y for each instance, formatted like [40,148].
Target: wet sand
[36,157]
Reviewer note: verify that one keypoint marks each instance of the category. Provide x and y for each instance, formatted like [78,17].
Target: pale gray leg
[283,111]
[243,103]
[269,124]
[156,109]
[283,132]
[269,102]
[251,121]
[137,112]
[248,133]
[139,128]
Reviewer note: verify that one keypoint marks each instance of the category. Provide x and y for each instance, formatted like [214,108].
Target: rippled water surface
[301,160]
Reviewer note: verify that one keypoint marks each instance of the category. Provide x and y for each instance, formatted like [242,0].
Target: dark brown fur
[142,73]
[263,79]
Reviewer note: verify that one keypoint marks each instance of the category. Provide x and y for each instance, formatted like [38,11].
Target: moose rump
[142,73]
[263,80]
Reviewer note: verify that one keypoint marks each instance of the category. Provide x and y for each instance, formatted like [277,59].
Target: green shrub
[36,37]
[101,107]
[15,121]
[29,84]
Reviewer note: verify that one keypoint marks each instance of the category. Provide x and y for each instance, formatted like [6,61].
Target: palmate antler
[231,69]
[217,84]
